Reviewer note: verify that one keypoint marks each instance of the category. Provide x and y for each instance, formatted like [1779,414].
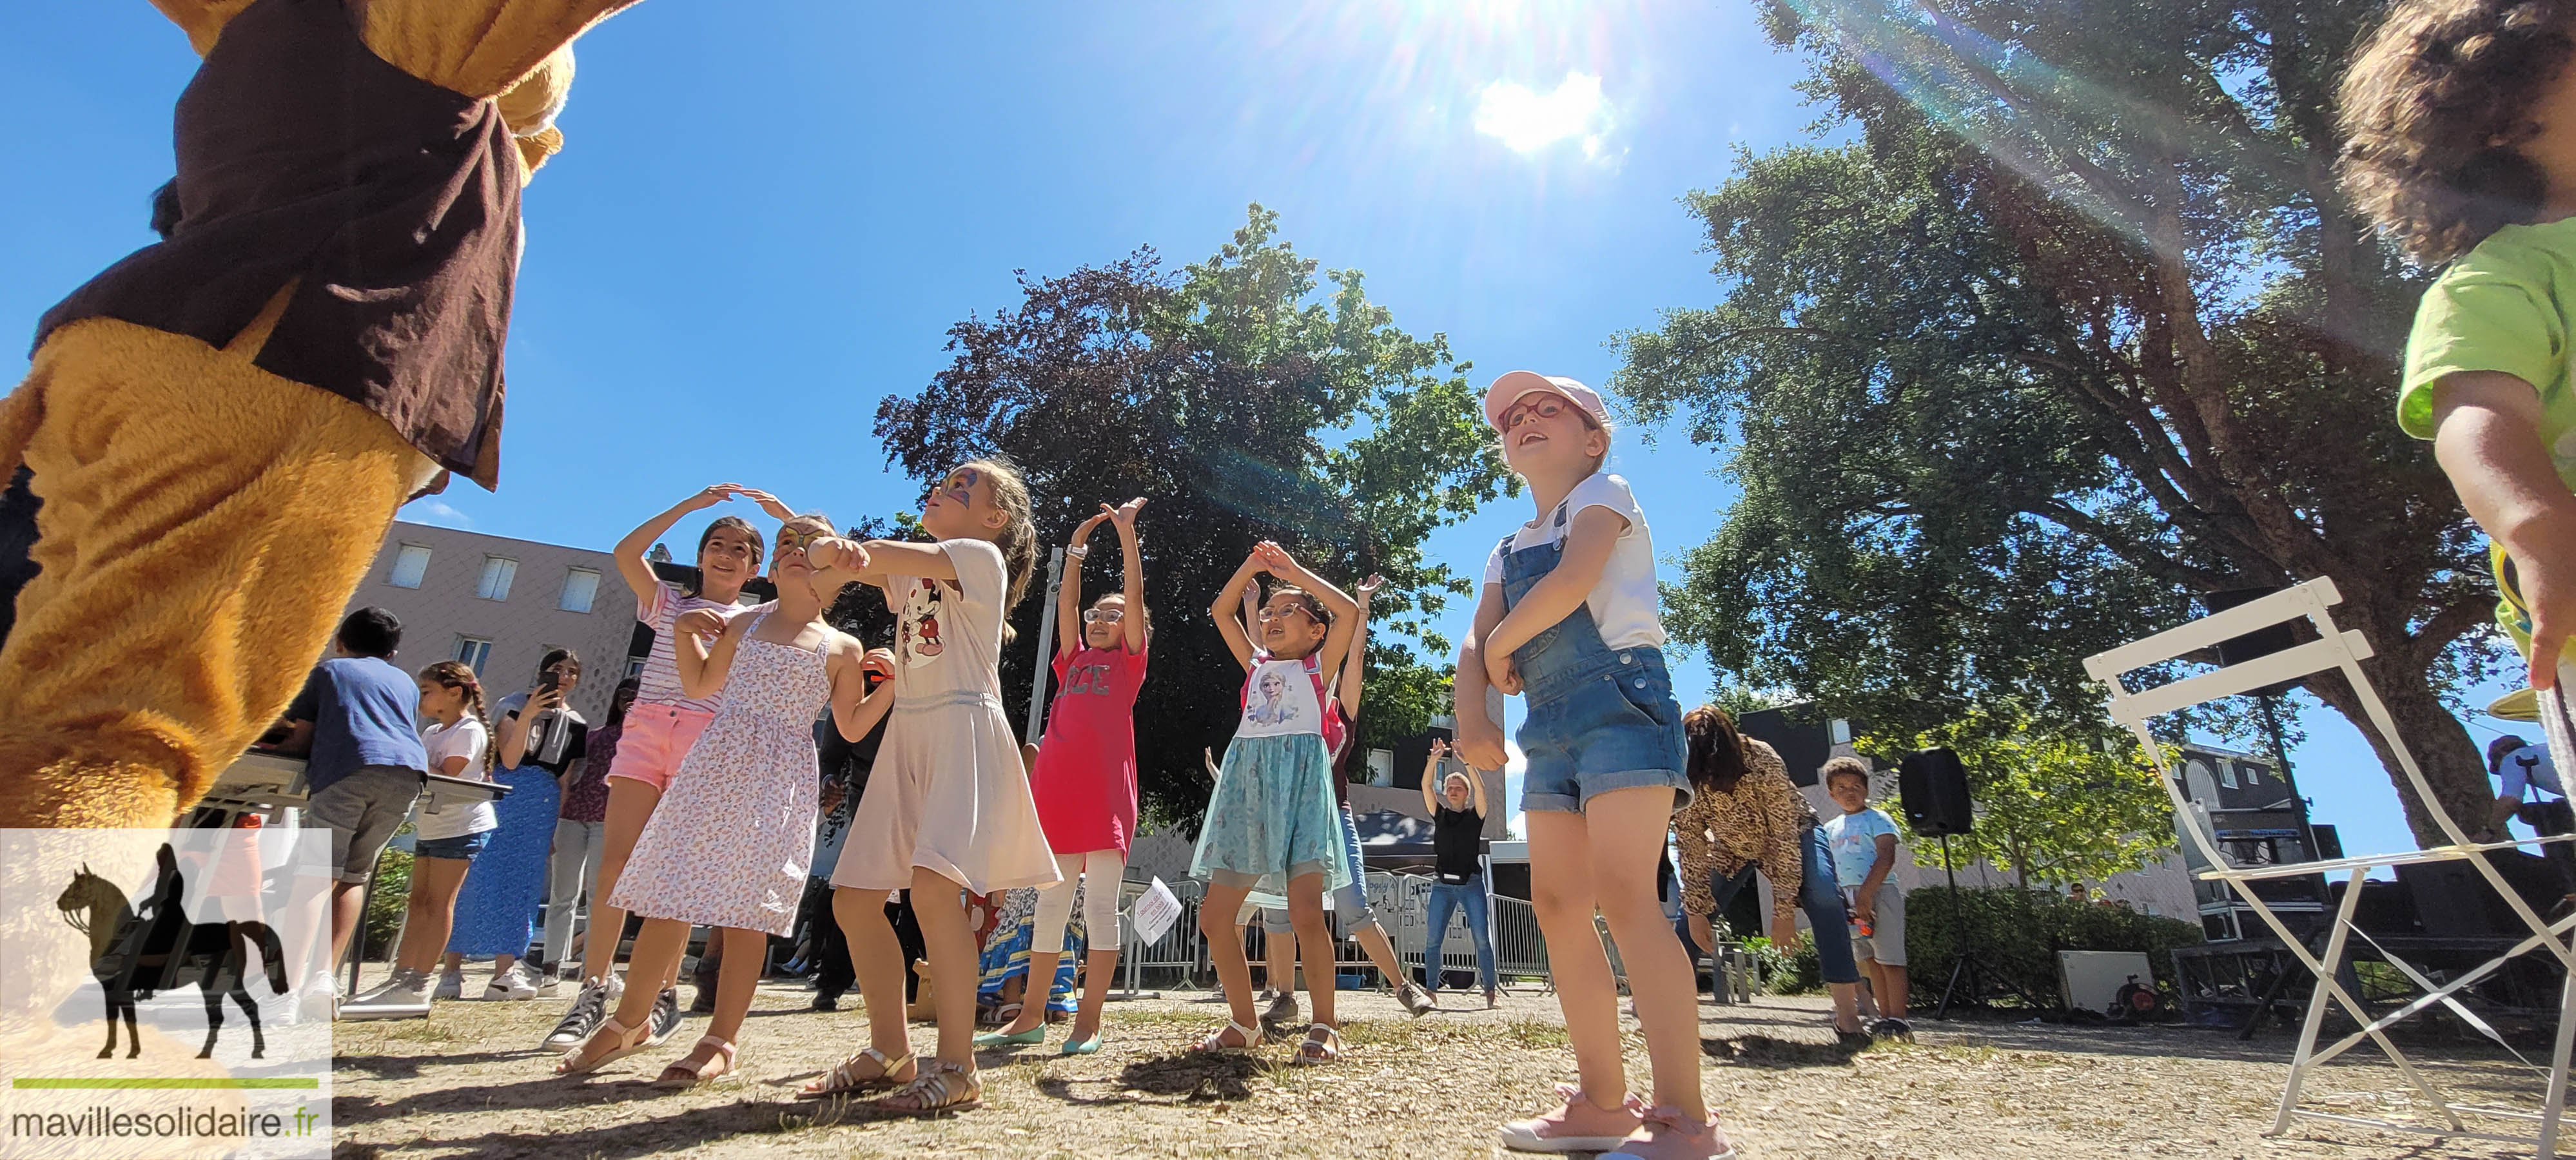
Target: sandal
[628,1041]
[1322,1045]
[683,1075]
[942,1088]
[1215,1041]
[842,1078]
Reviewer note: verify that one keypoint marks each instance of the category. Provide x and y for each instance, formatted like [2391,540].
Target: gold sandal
[683,1075]
[942,1088]
[628,1041]
[1323,1045]
[843,1079]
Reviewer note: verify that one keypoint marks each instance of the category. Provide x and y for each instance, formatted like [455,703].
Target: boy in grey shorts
[357,721]
[1863,843]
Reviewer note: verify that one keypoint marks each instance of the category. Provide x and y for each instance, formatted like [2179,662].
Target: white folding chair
[2341,651]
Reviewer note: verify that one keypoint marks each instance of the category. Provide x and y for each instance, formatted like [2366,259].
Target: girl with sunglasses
[732,844]
[1085,780]
[1272,823]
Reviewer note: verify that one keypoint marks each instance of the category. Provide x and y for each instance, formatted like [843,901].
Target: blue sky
[768,212]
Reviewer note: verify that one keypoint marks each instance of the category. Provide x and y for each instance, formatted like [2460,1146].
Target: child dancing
[660,726]
[1085,781]
[1271,824]
[731,849]
[1569,618]
[947,805]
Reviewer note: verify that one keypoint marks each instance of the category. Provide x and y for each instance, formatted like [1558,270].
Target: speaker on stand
[1932,787]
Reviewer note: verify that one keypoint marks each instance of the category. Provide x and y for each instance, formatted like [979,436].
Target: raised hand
[1125,514]
[700,622]
[836,554]
[1274,559]
[711,495]
[777,508]
[1082,532]
[1369,587]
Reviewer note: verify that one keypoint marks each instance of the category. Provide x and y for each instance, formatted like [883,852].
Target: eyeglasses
[1100,615]
[1543,407]
[1269,614]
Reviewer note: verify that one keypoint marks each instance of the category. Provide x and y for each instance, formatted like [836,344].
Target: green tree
[1250,402]
[2052,807]
[2076,328]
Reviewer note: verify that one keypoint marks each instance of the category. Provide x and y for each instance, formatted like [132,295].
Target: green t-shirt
[2508,305]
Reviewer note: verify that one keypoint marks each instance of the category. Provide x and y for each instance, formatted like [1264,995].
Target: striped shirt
[659,683]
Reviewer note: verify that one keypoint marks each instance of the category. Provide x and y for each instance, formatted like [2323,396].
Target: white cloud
[440,513]
[1527,121]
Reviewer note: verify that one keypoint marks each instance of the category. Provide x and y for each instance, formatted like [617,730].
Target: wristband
[1077,551]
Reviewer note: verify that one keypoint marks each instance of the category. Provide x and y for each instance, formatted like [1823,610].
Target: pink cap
[1513,386]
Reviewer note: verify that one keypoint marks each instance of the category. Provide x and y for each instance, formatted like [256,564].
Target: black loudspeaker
[2261,642]
[1934,788]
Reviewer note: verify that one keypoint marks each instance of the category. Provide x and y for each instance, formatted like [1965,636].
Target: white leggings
[1105,868]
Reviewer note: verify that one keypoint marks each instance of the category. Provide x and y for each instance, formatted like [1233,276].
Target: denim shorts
[460,849]
[1611,725]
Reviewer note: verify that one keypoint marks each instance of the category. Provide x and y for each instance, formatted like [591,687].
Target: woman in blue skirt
[496,912]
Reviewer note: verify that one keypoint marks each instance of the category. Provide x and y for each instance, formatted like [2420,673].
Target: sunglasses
[1103,615]
[1544,407]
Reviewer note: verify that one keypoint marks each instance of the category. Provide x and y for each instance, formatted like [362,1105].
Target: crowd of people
[962,876]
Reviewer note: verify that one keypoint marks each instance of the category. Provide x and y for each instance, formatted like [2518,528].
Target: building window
[581,586]
[473,651]
[1381,767]
[2227,774]
[411,562]
[498,572]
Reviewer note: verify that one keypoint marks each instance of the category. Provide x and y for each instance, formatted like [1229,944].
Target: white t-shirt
[467,739]
[1624,603]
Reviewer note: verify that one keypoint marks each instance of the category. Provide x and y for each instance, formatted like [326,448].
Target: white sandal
[941,1088]
[1323,1045]
[1214,1042]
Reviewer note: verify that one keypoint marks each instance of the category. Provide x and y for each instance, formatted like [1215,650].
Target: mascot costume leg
[221,426]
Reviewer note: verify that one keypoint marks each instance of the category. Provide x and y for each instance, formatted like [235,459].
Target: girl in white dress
[948,805]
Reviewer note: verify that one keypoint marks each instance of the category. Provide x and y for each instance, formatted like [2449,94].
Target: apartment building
[499,604]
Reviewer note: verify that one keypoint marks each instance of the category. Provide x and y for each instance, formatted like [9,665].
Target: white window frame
[474,651]
[506,569]
[589,597]
[404,555]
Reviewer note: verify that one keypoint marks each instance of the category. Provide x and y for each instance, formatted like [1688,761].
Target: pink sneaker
[1667,1134]
[1579,1126]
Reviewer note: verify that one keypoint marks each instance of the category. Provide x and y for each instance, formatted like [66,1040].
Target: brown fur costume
[204,519]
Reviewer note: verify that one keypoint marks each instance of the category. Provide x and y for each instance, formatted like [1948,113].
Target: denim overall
[1600,719]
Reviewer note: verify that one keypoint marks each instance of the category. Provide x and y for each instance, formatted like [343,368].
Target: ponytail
[1017,539]
[459,675]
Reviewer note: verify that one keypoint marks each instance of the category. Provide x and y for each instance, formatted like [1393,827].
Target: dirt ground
[470,1082]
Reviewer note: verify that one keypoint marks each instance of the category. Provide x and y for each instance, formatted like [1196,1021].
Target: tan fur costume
[205,520]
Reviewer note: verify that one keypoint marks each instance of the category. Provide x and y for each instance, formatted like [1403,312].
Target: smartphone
[552,680]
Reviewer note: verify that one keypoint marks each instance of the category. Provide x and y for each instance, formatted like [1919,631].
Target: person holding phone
[540,740]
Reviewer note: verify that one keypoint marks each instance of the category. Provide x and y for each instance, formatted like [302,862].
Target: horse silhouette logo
[135,954]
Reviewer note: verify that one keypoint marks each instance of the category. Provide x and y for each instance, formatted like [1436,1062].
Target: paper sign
[1154,912]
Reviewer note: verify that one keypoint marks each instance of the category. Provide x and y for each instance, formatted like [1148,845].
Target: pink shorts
[657,737]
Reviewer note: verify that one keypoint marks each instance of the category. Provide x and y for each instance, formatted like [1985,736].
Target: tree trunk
[2441,745]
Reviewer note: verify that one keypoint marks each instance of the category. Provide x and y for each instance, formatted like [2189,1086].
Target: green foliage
[2052,806]
[1789,970]
[2017,934]
[2074,329]
[385,910]
[1248,400]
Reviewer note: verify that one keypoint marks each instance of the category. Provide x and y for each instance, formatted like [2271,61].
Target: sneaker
[704,1002]
[549,983]
[1579,1126]
[823,1002]
[1283,1009]
[1493,998]
[1892,1028]
[1666,1134]
[451,985]
[1417,1002]
[589,1007]
[405,996]
[666,1015]
[509,986]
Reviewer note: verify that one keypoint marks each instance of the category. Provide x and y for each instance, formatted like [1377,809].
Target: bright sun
[1527,121]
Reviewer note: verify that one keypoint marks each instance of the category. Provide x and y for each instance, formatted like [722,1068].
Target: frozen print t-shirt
[1281,697]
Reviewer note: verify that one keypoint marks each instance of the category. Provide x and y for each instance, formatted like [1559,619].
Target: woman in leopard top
[1744,814]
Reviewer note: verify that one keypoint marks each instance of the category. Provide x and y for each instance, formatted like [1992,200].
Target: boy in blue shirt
[1863,843]
[358,722]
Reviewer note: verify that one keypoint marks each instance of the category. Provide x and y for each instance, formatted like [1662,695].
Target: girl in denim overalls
[1569,617]
[1272,822]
